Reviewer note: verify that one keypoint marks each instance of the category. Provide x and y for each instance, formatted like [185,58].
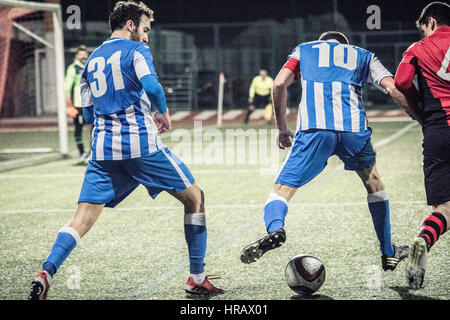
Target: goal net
[31,74]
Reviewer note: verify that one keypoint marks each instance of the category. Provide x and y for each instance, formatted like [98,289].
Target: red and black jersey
[429,59]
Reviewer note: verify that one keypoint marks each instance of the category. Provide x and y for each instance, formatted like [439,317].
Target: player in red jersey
[429,60]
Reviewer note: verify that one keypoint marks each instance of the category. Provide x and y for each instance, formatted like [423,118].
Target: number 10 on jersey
[339,52]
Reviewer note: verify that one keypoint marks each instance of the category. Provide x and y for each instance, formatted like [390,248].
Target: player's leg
[250,110]
[78,133]
[194,228]
[66,240]
[276,207]
[103,184]
[195,231]
[438,221]
[163,171]
[378,201]
[306,159]
[436,224]
[258,103]
[275,211]
[433,226]
[70,235]
[86,154]
[436,166]
[356,151]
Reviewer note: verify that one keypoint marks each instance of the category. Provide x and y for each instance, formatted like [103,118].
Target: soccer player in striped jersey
[119,86]
[429,60]
[331,121]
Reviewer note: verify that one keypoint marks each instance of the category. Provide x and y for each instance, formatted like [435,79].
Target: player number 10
[98,64]
[339,56]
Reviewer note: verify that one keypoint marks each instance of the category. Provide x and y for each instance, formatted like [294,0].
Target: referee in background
[260,93]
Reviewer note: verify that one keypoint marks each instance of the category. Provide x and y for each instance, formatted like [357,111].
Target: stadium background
[193,41]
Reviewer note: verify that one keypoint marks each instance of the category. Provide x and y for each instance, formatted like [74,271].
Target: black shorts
[261,101]
[436,164]
[79,119]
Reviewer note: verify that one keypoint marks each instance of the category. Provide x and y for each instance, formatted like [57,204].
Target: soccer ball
[305,274]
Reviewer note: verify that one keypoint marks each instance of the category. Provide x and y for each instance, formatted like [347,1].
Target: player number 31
[99,86]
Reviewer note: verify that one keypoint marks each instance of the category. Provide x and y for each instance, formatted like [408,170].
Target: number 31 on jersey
[99,87]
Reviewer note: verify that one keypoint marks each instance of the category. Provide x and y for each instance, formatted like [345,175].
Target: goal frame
[58,47]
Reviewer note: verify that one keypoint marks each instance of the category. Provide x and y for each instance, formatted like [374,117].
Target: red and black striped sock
[433,227]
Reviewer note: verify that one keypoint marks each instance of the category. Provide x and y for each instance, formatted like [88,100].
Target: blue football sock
[66,240]
[275,212]
[196,236]
[379,209]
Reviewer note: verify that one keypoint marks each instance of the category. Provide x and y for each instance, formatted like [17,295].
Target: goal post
[43,33]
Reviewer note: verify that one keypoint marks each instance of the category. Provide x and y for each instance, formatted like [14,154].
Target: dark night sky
[199,11]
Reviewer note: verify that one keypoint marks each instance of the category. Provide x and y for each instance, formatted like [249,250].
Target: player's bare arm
[410,105]
[283,80]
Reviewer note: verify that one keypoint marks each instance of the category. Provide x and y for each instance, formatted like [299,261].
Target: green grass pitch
[138,251]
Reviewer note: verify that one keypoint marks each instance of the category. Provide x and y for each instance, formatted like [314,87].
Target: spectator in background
[260,93]
[73,98]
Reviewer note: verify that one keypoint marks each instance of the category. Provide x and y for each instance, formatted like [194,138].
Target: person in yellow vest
[73,98]
[260,94]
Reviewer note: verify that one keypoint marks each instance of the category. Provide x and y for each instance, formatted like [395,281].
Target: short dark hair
[80,48]
[339,36]
[440,11]
[128,10]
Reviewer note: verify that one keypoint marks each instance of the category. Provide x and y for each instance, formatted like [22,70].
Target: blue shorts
[111,181]
[311,150]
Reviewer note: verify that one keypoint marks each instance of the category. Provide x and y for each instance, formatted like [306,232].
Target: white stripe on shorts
[183,177]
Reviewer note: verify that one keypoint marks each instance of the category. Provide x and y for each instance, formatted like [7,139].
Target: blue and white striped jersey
[332,77]
[124,127]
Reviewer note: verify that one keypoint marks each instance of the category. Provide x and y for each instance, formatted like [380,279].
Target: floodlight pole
[335,11]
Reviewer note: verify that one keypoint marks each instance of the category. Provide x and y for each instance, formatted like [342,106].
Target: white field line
[150,209]
[396,135]
[27,150]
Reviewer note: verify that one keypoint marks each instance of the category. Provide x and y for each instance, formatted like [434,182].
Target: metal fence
[189,57]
